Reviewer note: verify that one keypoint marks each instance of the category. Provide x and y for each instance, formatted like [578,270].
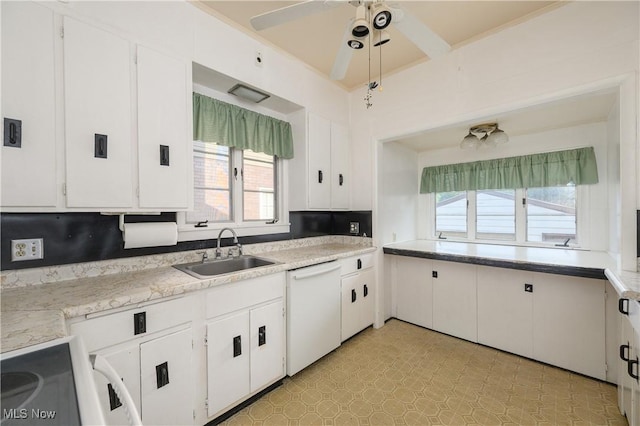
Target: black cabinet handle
[114,401]
[359,264]
[320,178]
[621,306]
[624,349]
[262,335]
[162,374]
[237,346]
[353,295]
[139,323]
[100,145]
[630,365]
[340,179]
[366,290]
[12,132]
[164,155]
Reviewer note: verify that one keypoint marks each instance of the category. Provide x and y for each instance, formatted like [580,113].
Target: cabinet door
[569,323]
[267,344]
[228,361]
[167,380]
[28,171]
[455,300]
[505,309]
[414,291]
[366,287]
[351,301]
[625,383]
[162,131]
[97,117]
[340,176]
[126,362]
[319,162]
[633,367]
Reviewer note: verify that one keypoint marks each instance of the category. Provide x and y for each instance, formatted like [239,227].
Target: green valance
[229,125]
[576,166]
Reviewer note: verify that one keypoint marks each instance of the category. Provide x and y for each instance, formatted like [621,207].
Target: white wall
[613,180]
[594,209]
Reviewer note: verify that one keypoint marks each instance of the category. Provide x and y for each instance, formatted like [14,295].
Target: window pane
[258,186]
[551,214]
[496,214]
[451,213]
[212,192]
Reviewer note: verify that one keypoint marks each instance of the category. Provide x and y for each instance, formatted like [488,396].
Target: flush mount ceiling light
[248,93]
[492,136]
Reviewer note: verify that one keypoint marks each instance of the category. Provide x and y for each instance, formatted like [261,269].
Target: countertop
[36,303]
[590,264]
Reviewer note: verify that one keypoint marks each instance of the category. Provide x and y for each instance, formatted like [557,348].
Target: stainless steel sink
[203,270]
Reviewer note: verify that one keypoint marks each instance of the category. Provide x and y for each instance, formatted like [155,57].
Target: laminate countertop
[36,303]
[581,263]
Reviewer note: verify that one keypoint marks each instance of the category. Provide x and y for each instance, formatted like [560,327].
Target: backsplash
[86,237]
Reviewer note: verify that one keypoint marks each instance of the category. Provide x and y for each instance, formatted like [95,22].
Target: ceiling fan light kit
[492,136]
[380,38]
[360,26]
[381,16]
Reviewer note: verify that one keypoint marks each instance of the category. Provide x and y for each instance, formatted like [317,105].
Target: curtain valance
[229,125]
[576,166]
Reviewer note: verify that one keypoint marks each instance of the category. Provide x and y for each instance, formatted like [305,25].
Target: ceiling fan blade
[418,33]
[290,13]
[344,55]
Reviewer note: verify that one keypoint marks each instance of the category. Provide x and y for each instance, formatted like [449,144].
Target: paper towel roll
[150,234]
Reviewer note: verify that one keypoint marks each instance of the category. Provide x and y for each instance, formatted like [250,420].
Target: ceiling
[316,39]
[574,111]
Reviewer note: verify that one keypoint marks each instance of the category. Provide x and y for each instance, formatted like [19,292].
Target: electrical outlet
[354,228]
[27,249]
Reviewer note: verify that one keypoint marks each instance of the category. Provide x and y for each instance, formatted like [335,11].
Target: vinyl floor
[402,374]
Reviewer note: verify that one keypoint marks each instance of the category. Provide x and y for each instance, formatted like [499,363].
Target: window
[236,188]
[496,214]
[258,186]
[541,216]
[451,213]
[551,214]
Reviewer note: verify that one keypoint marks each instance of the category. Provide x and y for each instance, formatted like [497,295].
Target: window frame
[582,239]
[188,231]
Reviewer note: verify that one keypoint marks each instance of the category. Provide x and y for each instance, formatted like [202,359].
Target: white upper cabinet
[163,143]
[28,106]
[97,91]
[320,173]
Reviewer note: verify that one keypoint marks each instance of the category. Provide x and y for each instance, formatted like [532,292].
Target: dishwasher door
[313,308]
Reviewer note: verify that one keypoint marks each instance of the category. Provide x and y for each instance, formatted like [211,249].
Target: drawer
[243,294]
[110,329]
[355,263]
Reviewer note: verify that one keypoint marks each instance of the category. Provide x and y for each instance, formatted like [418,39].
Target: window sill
[191,233]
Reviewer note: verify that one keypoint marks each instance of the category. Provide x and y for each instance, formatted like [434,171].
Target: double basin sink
[203,270]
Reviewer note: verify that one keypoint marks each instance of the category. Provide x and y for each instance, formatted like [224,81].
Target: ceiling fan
[372,18]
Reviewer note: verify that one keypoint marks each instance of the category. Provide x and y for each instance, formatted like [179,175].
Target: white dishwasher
[313,307]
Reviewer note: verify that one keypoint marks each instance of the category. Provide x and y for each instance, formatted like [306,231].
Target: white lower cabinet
[629,364]
[151,348]
[454,299]
[556,319]
[245,346]
[414,290]
[358,284]
[505,309]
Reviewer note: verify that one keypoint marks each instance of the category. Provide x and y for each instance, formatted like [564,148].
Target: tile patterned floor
[406,375]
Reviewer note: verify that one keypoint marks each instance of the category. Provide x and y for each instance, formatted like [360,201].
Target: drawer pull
[624,349]
[139,323]
[162,374]
[262,335]
[237,346]
[353,295]
[621,306]
[366,290]
[359,264]
[630,365]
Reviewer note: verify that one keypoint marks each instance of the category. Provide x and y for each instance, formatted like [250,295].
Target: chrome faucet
[235,241]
